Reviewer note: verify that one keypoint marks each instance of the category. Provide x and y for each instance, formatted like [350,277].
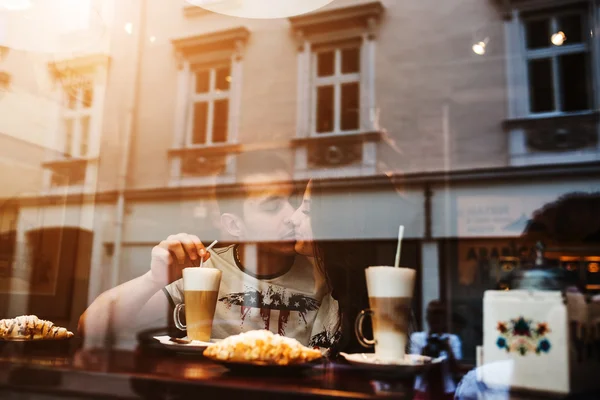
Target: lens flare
[260,8]
[559,38]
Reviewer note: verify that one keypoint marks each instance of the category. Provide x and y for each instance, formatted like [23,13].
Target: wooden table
[133,375]
[83,374]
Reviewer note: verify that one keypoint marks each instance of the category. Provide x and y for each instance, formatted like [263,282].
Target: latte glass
[390,294]
[200,292]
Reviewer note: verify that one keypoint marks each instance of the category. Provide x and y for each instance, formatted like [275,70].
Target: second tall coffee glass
[390,294]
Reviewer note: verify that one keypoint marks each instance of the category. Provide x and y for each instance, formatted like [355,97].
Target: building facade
[480,111]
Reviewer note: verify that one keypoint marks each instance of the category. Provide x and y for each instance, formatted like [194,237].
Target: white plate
[412,364]
[371,359]
[194,346]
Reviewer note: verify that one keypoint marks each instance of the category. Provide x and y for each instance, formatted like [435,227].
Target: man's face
[436,319]
[266,213]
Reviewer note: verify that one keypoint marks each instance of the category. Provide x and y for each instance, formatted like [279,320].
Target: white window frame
[209,97]
[518,101]
[553,53]
[77,115]
[336,80]
[70,77]
[226,48]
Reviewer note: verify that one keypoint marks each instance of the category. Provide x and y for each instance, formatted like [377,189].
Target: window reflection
[301,145]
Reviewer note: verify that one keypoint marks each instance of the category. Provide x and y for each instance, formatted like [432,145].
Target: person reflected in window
[435,343]
[264,284]
[572,221]
[329,225]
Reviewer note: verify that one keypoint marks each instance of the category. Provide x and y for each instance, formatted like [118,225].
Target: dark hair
[343,259]
[231,197]
[573,217]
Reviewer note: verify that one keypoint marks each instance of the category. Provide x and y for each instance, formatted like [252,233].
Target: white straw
[399,248]
[207,249]
[212,245]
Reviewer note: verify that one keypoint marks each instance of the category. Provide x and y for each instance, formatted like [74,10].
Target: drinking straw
[399,248]
[207,249]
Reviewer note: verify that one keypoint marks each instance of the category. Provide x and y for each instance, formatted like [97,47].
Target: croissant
[30,327]
[261,346]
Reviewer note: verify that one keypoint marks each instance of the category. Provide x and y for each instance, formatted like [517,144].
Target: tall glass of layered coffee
[390,293]
[200,292]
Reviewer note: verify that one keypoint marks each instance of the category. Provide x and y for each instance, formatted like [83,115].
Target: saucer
[267,369]
[411,365]
[194,346]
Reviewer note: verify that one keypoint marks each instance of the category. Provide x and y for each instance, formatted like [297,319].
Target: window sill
[575,157]
[361,137]
[75,189]
[539,121]
[67,162]
[209,150]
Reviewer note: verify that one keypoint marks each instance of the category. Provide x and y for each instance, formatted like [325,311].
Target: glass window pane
[326,63]
[325,106]
[223,79]
[538,33]
[574,84]
[68,136]
[199,127]
[88,96]
[571,26]
[203,81]
[351,60]
[85,136]
[220,120]
[541,93]
[350,106]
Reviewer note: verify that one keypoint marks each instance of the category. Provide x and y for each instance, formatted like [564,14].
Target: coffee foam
[390,281]
[201,279]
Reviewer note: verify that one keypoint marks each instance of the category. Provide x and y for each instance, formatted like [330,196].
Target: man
[264,285]
[437,343]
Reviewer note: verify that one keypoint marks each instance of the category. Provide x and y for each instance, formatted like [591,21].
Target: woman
[333,226]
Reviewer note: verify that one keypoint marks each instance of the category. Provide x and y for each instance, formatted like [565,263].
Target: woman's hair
[573,217]
[344,224]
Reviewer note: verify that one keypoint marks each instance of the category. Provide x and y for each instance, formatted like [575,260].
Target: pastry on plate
[30,327]
[261,346]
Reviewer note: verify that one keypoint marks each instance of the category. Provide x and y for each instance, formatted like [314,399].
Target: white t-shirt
[287,304]
[326,331]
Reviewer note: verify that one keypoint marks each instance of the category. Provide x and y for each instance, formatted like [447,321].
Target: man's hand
[174,254]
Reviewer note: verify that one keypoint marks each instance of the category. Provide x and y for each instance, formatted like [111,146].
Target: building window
[552,78]
[336,82]
[558,63]
[337,127]
[209,116]
[207,107]
[80,84]
[76,119]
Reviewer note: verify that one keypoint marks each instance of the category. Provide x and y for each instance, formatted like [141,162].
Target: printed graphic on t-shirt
[326,331]
[287,303]
[324,339]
